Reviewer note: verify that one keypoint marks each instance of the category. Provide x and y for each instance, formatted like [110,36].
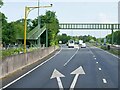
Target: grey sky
[92,11]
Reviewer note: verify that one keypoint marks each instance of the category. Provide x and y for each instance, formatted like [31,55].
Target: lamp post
[39,41]
[27,10]
[38,14]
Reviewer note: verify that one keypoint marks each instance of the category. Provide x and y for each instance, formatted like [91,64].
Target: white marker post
[77,72]
[57,74]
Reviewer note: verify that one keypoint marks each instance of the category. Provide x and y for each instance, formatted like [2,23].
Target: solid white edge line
[104,80]
[71,58]
[29,72]
[109,53]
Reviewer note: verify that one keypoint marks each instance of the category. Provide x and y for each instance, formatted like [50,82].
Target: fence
[13,63]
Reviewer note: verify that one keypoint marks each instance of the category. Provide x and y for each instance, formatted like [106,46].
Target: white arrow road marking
[74,81]
[57,74]
[60,83]
[77,72]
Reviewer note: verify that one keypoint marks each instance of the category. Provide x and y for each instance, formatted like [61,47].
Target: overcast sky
[70,11]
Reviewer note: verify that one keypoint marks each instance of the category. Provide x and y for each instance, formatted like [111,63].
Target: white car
[83,45]
[71,44]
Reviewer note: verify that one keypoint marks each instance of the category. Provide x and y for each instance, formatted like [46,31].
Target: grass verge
[113,51]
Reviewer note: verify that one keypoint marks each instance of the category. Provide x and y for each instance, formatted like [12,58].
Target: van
[83,45]
[71,44]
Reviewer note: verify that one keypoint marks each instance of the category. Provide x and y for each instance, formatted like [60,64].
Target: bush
[9,52]
[103,47]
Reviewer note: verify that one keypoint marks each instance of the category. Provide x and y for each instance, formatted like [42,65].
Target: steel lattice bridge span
[88,26]
[91,26]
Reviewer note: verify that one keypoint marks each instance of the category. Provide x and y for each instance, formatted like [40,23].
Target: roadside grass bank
[16,51]
[111,50]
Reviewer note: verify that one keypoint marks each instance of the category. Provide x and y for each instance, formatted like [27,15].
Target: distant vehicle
[76,42]
[60,42]
[80,42]
[83,45]
[67,44]
[71,44]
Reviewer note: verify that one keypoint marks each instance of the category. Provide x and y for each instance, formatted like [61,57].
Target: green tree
[52,24]
[9,34]
[3,19]
[64,38]
[19,28]
[1,3]
[86,38]
[12,31]
[116,37]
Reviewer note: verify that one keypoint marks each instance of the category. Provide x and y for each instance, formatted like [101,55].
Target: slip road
[101,71]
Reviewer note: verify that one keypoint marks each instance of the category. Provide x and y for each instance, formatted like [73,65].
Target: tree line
[12,30]
[86,38]
[116,37]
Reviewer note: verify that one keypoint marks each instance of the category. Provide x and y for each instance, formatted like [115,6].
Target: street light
[39,41]
[27,11]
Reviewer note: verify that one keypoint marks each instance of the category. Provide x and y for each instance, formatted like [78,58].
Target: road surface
[100,70]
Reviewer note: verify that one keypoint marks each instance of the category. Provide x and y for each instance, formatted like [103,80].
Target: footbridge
[90,26]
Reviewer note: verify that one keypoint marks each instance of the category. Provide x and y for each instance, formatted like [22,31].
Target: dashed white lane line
[92,54]
[99,69]
[97,62]
[71,58]
[104,80]
[29,72]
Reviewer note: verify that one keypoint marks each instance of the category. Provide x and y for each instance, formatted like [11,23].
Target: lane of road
[101,70]
[41,76]
[109,66]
